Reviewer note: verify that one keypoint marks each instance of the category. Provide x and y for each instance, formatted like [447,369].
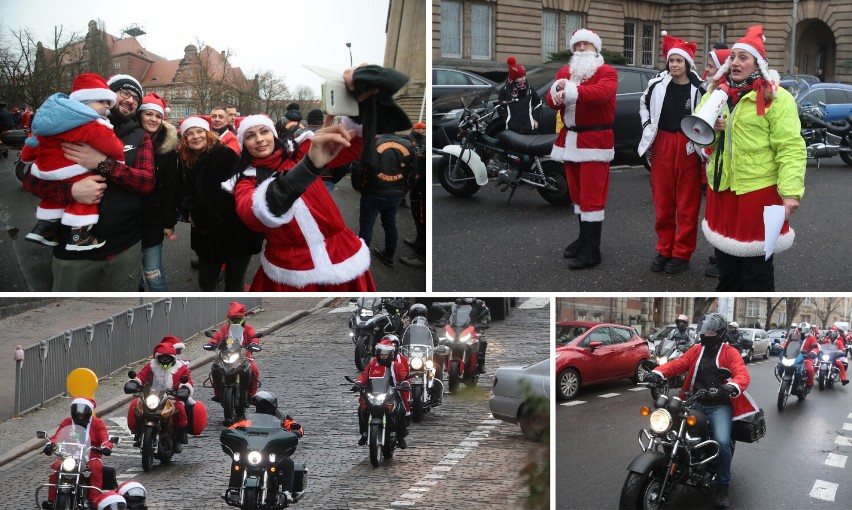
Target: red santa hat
[84,401]
[91,87]
[720,57]
[752,42]
[250,122]
[163,348]
[674,46]
[174,341]
[237,309]
[109,498]
[586,35]
[191,122]
[154,102]
[132,485]
[516,70]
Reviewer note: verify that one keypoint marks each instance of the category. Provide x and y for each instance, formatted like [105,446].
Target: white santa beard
[584,64]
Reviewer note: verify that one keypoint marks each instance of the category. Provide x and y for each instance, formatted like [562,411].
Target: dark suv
[632,82]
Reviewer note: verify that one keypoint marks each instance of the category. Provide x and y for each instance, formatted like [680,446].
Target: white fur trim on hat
[84,401]
[152,106]
[191,122]
[682,53]
[253,121]
[588,36]
[131,484]
[761,61]
[86,95]
[109,500]
[715,59]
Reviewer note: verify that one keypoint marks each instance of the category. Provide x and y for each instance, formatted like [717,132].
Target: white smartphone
[336,98]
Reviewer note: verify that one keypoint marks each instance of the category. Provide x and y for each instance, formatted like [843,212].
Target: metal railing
[112,344]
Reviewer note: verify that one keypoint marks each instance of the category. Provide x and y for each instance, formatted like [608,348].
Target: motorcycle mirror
[41,434]
[184,379]
[295,426]
[208,334]
[114,439]
[255,347]
[259,335]
[349,379]
[131,374]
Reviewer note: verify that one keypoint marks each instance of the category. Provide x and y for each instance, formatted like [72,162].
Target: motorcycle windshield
[72,441]
[236,332]
[666,347]
[417,336]
[460,317]
[792,349]
[369,303]
[379,385]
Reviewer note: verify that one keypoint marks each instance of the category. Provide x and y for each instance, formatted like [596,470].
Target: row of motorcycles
[825,139]
[14,139]
[429,357]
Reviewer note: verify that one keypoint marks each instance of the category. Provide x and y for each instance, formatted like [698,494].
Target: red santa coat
[49,162]
[97,434]
[399,371]
[153,374]
[248,333]
[229,139]
[727,357]
[309,246]
[585,104]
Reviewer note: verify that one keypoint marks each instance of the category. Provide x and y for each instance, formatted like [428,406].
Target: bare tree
[208,76]
[702,306]
[793,305]
[771,306]
[271,90]
[825,307]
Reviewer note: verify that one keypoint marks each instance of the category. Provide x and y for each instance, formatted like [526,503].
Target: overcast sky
[280,35]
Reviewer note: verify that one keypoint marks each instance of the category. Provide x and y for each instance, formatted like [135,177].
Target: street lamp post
[793,38]
[349,45]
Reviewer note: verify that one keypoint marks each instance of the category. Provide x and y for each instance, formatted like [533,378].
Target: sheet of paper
[773,220]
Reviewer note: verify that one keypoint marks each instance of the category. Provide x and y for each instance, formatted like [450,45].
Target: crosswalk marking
[573,403]
[535,302]
[609,395]
[639,388]
[847,426]
[824,490]
[843,441]
[835,460]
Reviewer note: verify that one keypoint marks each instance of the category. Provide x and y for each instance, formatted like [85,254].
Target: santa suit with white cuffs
[586,141]
[160,379]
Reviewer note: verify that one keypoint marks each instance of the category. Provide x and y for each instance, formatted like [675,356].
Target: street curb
[120,401]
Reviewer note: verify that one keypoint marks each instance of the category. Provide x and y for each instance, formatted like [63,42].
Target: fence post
[43,348]
[110,326]
[149,315]
[69,337]
[19,367]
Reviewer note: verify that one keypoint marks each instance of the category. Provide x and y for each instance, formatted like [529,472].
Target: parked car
[456,82]
[798,84]
[837,98]
[632,82]
[776,339]
[590,353]
[511,397]
[760,343]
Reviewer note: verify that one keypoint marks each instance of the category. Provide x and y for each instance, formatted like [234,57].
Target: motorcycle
[372,319]
[384,408]
[790,373]
[14,139]
[825,139]
[72,476]
[154,413]
[232,372]
[666,350]
[255,447]
[418,345]
[461,338]
[829,373]
[462,170]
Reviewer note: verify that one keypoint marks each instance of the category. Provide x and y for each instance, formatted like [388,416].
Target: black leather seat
[534,145]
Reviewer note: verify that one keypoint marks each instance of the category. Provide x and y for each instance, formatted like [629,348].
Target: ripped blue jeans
[152,269]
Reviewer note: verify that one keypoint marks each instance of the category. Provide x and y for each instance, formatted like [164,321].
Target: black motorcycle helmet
[682,322]
[712,327]
[418,310]
[81,411]
[111,501]
[135,495]
[385,352]
[265,403]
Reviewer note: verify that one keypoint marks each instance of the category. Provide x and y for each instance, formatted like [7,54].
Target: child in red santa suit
[78,118]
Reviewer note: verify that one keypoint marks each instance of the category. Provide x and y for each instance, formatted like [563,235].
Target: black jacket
[395,159]
[161,204]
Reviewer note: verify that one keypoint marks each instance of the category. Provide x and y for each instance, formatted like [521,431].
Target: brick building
[479,35]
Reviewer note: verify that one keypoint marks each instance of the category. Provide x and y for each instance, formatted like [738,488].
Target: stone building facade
[405,51]
[479,35]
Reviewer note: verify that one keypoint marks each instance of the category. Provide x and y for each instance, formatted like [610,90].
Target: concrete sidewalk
[17,435]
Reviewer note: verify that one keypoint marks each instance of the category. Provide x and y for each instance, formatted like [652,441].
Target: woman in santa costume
[584,95]
[758,160]
[713,363]
[675,165]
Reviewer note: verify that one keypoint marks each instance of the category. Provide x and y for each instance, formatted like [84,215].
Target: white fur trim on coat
[260,208]
[570,93]
[60,174]
[571,153]
[307,134]
[324,272]
[553,90]
[576,209]
[231,183]
[348,123]
[49,214]
[74,220]
[742,248]
[594,216]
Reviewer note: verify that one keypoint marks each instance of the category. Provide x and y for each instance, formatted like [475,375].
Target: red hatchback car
[589,353]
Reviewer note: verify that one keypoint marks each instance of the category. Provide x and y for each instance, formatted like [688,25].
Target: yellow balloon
[82,382]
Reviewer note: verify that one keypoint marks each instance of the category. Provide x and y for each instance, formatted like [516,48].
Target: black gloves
[106,452]
[653,379]
[729,390]
[48,449]
[357,387]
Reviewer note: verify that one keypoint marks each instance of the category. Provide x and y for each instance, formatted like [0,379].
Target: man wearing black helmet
[714,364]
[480,316]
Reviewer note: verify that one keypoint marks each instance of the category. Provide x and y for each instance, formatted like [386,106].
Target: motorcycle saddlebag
[750,429]
[110,483]
[199,418]
[300,479]
[14,137]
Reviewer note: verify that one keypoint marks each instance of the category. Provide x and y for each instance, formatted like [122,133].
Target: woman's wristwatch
[103,167]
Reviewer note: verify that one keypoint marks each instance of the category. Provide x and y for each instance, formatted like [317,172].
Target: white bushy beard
[584,64]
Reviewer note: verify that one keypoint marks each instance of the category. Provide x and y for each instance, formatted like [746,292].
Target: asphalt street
[25,266]
[459,453]
[800,463]
[519,246]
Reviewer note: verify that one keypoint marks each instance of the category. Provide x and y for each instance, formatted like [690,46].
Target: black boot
[182,435]
[590,255]
[722,496]
[573,249]
[137,440]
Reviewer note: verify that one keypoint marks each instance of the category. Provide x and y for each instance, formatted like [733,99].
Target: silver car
[511,400]
[761,346]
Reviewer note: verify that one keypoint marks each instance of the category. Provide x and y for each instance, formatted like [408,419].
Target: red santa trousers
[676,189]
[588,184]
[74,214]
[96,479]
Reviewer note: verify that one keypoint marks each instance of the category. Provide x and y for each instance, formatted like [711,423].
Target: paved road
[794,466]
[458,453]
[481,244]
[25,266]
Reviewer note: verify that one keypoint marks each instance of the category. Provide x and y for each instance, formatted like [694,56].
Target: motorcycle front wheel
[456,177]
[362,352]
[821,380]
[554,174]
[782,394]
[229,398]
[147,449]
[846,157]
[417,403]
[376,456]
[454,376]
[250,498]
[641,491]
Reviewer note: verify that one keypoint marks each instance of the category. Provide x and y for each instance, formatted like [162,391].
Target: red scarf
[274,161]
[759,86]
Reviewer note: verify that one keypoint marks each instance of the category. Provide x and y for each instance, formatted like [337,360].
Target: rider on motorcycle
[134,494]
[732,403]
[834,336]
[681,333]
[385,359]
[83,424]
[734,336]
[479,316]
[266,402]
[803,332]
[161,373]
[237,316]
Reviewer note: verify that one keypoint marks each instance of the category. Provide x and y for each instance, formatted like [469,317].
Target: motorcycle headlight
[450,336]
[429,364]
[661,421]
[351,333]
[254,458]
[376,398]
[662,360]
[465,338]
[416,363]
[366,313]
[152,401]
[788,362]
[69,464]
[231,358]
[825,357]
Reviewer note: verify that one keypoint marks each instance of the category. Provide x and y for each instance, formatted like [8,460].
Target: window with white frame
[116,64]
[549,31]
[480,31]
[630,42]
[451,29]
[640,43]
[752,308]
